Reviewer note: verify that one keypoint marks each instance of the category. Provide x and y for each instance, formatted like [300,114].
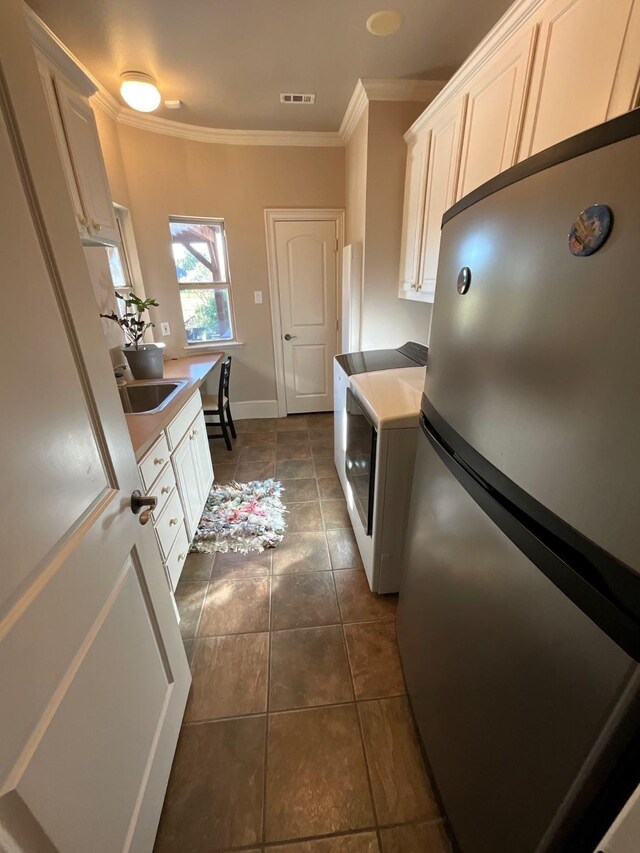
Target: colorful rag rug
[241,517]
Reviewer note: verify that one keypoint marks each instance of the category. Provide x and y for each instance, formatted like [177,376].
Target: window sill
[213,347]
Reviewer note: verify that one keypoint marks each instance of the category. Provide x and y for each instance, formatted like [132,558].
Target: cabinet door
[54,114]
[573,78]
[202,457]
[442,178]
[88,165]
[495,110]
[412,219]
[188,477]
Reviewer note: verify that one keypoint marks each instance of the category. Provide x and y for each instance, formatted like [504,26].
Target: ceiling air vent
[297,98]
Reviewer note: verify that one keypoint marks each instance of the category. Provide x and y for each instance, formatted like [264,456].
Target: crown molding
[197,133]
[221,136]
[107,103]
[377,89]
[366,90]
[355,108]
[516,15]
[394,89]
[58,55]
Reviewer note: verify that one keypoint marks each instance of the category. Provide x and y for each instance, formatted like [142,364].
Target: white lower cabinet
[194,472]
[202,456]
[181,481]
[177,556]
[187,469]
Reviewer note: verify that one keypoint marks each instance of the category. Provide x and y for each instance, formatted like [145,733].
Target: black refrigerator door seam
[563,565]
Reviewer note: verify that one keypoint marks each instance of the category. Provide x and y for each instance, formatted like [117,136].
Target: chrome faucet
[118,372]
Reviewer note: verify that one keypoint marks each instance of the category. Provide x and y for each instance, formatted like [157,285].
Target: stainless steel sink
[144,398]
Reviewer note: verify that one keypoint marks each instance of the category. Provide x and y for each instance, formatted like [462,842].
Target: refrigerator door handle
[564,567]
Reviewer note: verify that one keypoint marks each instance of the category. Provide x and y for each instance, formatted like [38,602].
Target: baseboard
[254,409]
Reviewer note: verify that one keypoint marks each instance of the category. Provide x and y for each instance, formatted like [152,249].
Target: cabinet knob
[96,225]
[181,556]
[159,460]
[173,521]
[165,490]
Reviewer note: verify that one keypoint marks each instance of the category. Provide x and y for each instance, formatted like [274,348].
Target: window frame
[122,249]
[208,285]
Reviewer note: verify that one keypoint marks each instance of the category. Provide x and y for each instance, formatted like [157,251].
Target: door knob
[138,501]
[289,337]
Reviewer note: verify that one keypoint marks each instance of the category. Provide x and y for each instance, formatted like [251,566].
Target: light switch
[165,328]
[257,296]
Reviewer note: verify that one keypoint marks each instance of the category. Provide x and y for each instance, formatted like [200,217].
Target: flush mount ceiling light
[140,91]
[384,23]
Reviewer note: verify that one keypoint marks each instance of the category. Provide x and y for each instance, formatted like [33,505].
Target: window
[199,249]
[118,259]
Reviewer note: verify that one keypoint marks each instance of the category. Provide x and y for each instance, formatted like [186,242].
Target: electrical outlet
[165,328]
[257,297]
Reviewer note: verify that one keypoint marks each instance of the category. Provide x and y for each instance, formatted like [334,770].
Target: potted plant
[145,360]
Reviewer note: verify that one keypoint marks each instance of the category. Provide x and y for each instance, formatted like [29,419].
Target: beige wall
[375,162]
[168,176]
[112,153]
[386,320]
[356,181]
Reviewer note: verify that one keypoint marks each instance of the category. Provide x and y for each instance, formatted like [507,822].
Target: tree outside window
[201,261]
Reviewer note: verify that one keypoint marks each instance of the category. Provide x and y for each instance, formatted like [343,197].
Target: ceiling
[228,60]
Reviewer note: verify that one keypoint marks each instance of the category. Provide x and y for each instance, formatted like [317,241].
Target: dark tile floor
[297,736]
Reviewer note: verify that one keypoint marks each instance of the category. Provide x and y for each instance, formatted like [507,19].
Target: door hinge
[337,244]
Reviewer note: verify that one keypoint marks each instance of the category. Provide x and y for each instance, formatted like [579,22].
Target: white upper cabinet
[495,111]
[547,71]
[412,219]
[86,160]
[56,120]
[580,46]
[442,177]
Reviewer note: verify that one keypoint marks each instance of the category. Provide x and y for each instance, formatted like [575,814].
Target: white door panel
[184,466]
[310,369]
[93,671]
[576,63]
[495,109]
[443,161]
[306,256]
[88,165]
[120,673]
[306,278]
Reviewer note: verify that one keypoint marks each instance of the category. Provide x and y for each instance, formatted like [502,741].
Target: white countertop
[391,397]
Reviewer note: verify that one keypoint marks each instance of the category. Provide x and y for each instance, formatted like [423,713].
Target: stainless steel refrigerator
[519,613]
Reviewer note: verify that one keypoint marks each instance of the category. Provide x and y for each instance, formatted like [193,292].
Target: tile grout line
[359,722]
[264,844]
[300,709]
[266,719]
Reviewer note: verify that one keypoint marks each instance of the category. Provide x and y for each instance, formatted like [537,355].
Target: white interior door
[306,260]
[93,673]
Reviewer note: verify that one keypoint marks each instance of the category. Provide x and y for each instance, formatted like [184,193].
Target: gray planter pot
[146,362]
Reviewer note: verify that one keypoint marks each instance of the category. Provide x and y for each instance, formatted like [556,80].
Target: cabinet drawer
[152,464]
[183,420]
[169,523]
[162,488]
[177,556]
